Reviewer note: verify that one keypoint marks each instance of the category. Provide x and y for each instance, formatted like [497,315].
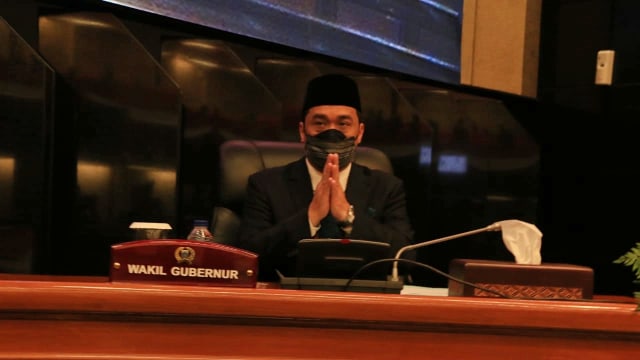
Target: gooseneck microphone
[394,272]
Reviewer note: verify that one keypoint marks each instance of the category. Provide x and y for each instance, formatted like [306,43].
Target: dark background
[110,115]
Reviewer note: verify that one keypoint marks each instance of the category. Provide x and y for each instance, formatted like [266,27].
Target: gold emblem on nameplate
[184,254]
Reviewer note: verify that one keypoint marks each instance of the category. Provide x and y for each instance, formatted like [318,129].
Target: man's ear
[360,133]
[303,136]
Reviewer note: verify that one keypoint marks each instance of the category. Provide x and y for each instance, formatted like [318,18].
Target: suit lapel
[358,185]
[299,182]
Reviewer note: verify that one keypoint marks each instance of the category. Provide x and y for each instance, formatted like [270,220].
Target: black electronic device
[341,258]
[337,265]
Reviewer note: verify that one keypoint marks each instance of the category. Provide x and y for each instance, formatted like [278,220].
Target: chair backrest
[241,158]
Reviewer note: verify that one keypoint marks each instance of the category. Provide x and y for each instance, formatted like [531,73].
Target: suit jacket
[275,213]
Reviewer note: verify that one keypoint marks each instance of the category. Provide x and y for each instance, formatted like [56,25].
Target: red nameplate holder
[175,261]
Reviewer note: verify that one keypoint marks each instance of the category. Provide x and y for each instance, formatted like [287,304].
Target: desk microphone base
[328,284]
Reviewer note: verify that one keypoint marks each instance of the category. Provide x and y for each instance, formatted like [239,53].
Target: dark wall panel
[589,136]
[115,139]
[26,92]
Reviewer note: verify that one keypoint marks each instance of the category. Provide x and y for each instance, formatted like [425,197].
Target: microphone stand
[394,272]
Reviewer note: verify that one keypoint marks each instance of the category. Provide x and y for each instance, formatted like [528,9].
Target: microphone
[394,272]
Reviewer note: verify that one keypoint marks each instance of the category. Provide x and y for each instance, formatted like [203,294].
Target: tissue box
[150,230]
[555,281]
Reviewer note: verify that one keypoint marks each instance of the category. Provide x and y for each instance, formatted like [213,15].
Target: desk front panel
[94,318]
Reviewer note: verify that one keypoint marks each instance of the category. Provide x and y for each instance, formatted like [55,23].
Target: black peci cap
[331,89]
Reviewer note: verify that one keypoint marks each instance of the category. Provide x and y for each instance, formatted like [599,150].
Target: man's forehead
[333,111]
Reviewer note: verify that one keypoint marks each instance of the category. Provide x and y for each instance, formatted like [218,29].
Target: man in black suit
[324,194]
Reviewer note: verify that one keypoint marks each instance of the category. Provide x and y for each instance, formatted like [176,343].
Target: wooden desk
[69,318]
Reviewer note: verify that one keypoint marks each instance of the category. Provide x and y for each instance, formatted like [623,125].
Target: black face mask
[318,147]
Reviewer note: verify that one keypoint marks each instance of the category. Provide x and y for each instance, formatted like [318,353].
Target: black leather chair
[241,158]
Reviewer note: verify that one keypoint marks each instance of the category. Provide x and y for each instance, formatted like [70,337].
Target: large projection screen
[415,37]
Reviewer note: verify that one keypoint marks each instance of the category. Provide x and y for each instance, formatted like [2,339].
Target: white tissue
[523,240]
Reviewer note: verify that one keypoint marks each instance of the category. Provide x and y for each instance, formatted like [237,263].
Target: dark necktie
[329,228]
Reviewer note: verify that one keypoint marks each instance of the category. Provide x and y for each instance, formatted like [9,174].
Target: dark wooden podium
[91,318]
